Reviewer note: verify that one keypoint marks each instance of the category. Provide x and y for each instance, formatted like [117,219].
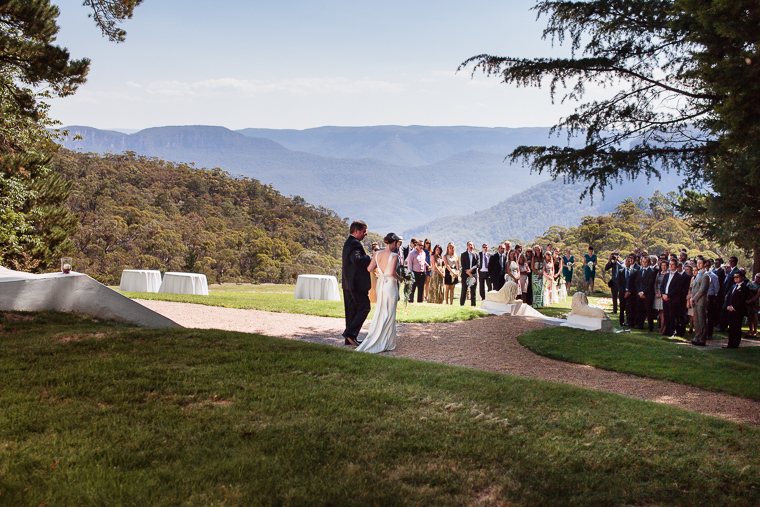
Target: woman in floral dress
[549,293]
[537,268]
[438,271]
[522,264]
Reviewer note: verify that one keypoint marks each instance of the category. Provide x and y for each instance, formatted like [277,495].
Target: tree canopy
[685,81]
[147,213]
[34,225]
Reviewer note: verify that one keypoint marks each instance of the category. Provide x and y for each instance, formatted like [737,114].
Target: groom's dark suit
[356,285]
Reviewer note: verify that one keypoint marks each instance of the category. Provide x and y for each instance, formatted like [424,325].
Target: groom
[356,282]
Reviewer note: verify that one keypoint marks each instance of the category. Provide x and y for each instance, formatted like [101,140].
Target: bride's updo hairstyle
[390,238]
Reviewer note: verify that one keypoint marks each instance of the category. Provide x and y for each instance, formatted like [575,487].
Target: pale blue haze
[301,64]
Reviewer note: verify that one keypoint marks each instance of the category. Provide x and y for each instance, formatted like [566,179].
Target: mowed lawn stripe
[101,413]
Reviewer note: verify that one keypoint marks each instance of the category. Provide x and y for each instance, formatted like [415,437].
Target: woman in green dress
[589,271]
[537,268]
[567,266]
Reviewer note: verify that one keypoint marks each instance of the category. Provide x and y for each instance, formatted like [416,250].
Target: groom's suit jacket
[355,263]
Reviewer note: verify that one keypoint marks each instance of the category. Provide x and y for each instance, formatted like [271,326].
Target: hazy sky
[305,63]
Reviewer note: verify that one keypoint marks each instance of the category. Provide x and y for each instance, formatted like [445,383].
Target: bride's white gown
[382,329]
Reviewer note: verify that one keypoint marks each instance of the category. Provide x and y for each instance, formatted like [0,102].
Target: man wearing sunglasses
[736,306]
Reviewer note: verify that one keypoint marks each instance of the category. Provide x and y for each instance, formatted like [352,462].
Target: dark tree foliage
[686,79]
[109,13]
[34,227]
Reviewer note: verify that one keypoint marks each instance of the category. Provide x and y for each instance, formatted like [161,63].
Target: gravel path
[486,344]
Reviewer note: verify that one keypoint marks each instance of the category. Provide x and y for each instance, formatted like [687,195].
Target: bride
[382,329]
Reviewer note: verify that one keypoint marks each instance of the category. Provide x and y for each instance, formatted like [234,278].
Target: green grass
[279,298]
[127,416]
[650,355]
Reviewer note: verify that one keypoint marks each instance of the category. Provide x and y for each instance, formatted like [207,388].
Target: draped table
[184,283]
[140,280]
[324,287]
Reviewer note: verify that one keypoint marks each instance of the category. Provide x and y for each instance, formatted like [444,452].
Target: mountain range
[411,179]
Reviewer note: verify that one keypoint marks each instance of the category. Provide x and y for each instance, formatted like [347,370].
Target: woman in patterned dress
[549,294]
[438,271]
[524,267]
[537,268]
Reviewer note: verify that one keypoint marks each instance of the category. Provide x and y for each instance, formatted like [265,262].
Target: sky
[305,63]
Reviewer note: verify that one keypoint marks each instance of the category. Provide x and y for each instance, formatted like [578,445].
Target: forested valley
[146,213]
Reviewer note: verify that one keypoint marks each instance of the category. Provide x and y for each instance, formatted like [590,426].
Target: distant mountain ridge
[531,212]
[395,178]
[407,146]
[387,195]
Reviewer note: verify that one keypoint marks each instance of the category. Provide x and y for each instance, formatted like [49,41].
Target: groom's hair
[357,225]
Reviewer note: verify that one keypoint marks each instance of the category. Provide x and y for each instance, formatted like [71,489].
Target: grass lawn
[95,413]
[650,355]
[279,298]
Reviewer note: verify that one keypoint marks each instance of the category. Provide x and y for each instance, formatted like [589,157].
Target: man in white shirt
[670,303]
[483,278]
[469,265]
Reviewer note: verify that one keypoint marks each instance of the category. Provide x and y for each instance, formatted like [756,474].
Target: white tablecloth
[323,287]
[140,280]
[184,283]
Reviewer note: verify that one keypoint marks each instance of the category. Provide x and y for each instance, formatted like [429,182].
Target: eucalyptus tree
[682,86]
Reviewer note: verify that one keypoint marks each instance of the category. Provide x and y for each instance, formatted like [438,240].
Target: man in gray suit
[699,303]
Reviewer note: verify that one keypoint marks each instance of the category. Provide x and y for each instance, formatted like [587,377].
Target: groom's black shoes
[351,341]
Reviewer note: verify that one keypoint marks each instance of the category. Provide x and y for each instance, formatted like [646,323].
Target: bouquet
[590,265]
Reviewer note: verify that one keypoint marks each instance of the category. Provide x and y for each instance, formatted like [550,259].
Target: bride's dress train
[382,329]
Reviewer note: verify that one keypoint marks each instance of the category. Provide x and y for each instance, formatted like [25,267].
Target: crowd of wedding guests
[700,294]
[542,275]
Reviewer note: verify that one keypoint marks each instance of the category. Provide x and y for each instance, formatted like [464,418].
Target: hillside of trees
[146,213]
[652,224]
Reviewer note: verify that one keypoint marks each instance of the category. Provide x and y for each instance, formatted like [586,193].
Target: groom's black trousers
[357,307]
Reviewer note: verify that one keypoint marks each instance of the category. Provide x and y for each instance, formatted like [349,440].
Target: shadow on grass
[201,417]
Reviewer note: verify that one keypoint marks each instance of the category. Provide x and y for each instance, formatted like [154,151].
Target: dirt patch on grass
[65,338]
[15,317]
